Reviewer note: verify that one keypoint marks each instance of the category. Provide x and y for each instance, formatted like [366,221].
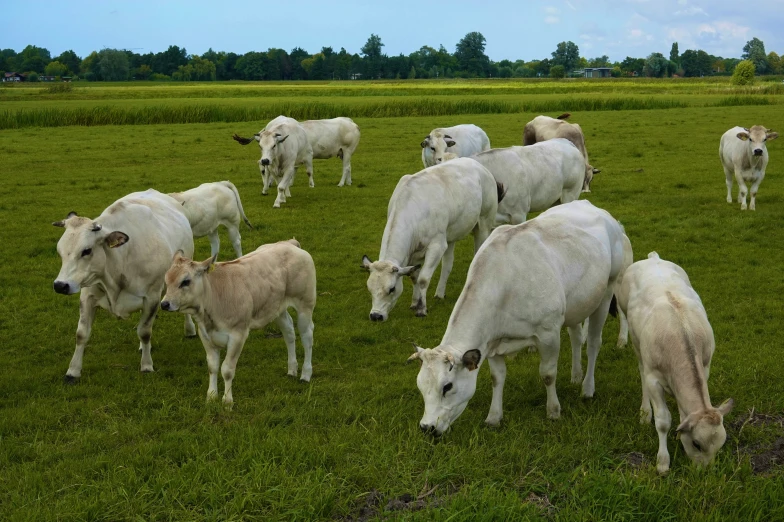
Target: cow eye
[433,149]
[447,387]
[696,445]
[392,290]
[185,282]
[87,252]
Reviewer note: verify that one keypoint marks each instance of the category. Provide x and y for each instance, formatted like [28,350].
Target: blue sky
[513,29]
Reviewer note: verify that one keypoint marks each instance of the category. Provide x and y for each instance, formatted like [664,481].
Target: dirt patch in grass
[375,505]
[764,456]
[636,460]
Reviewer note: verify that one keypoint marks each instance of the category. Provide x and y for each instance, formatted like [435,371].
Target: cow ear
[772,135]
[408,270]
[417,354]
[366,262]
[688,424]
[424,143]
[61,223]
[471,359]
[207,265]
[743,136]
[726,407]
[58,223]
[450,143]
[116,238]
[178,255]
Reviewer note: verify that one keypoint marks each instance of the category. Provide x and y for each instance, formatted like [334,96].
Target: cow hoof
[70,380]
[264,193]
[493,423]
[147,370]
[304,380]
[421,313]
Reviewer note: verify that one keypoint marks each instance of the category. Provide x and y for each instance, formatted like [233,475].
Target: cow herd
[568,267]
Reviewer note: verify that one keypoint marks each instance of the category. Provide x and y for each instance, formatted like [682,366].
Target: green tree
[34,58]
[113,65]
[412,73]
[252,66]
[566,54]
[599,61]
[754,50]
[9,61]
[696,63]
[55,68]
[632,66]
[372,56]
[342,65]
[774,62]
[557,71]
[674,56]
[470,55]
[656,65]
[71,61]
[744,73]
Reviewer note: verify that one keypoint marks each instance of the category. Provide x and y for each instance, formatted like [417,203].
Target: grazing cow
[744,154]
[117,277]
[544,128]
[330,138]
[461,140]
[428,213]
[674,344]
[526,282]
[284,146]
[210,205]
[230,299]
[534,177]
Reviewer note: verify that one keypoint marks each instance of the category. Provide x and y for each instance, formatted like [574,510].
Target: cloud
[551,19]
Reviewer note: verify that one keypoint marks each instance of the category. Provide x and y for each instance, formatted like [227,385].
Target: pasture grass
[121,445]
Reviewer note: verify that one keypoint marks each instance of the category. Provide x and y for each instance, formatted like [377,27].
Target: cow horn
[451,360]
[448,136]
[96,227]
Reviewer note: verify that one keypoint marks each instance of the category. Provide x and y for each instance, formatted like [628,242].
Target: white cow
[117,277]
[544,128]
[428,213]
[338,137]
[674,344]
[284,146]
[526,282]
[230,299]
[535,177]
[210,205]
[461,140]
[743,154]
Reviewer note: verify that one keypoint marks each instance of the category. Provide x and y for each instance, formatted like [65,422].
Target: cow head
[437,142]
[385,285]
[702,433]
[756,138]
[185,284]
[447,382]
[83,248]
[268,143]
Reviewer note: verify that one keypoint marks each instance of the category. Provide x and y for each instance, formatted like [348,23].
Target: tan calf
[230,299]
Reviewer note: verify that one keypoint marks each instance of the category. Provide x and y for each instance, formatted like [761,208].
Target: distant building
[14,77]
[44,78]
[356,76]
[598,72]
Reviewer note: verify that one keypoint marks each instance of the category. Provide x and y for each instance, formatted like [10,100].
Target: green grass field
[122,445]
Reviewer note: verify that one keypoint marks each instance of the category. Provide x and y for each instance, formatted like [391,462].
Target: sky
[513,29]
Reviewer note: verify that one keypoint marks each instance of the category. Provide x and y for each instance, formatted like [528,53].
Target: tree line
[467,61]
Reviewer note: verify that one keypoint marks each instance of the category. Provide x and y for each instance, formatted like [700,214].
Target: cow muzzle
[758,152]
[429,430]
[375,317]
[265,162]
[167,306]
[61,287]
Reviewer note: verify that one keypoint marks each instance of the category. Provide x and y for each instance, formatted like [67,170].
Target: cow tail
[243,141]
[231,186]
[613,306]
[564,116]
[500,190]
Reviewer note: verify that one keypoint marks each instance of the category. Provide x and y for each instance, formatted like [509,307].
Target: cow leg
[728,174]
[214,242]
[144,330]
[265,179]
[549,347]
[229,366]
[346,168]
[415,294]
[645,406]
[213,362]
[754,187]
[482,230]
[435,251]
[305,326]
[498,375]
[190,329]
[623,332]
[286,325]
[663,421]
[309,171]
[236,239]
[283,187]
[743,190]
[576,338]
[595,325]
[446,269]
[86,316]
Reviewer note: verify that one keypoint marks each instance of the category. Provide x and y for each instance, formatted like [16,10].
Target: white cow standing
[337,137]
[428,213]
[284,146]
[230,299]
[525,283]
[210,205]
[535,177]
[744,155]
[118,262]
[674,344]
[461,140]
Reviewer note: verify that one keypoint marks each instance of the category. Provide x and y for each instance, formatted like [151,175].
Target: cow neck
[208,300]
[466,329]
[690,388]
[397,246]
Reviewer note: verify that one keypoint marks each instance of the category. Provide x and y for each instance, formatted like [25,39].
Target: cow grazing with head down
[544,128]
[230,299]
[336,137]
[744,155]
[674,344]
[284,146]
[210,205]
[461,140]
[118,261]
[524,284]
[428,213]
